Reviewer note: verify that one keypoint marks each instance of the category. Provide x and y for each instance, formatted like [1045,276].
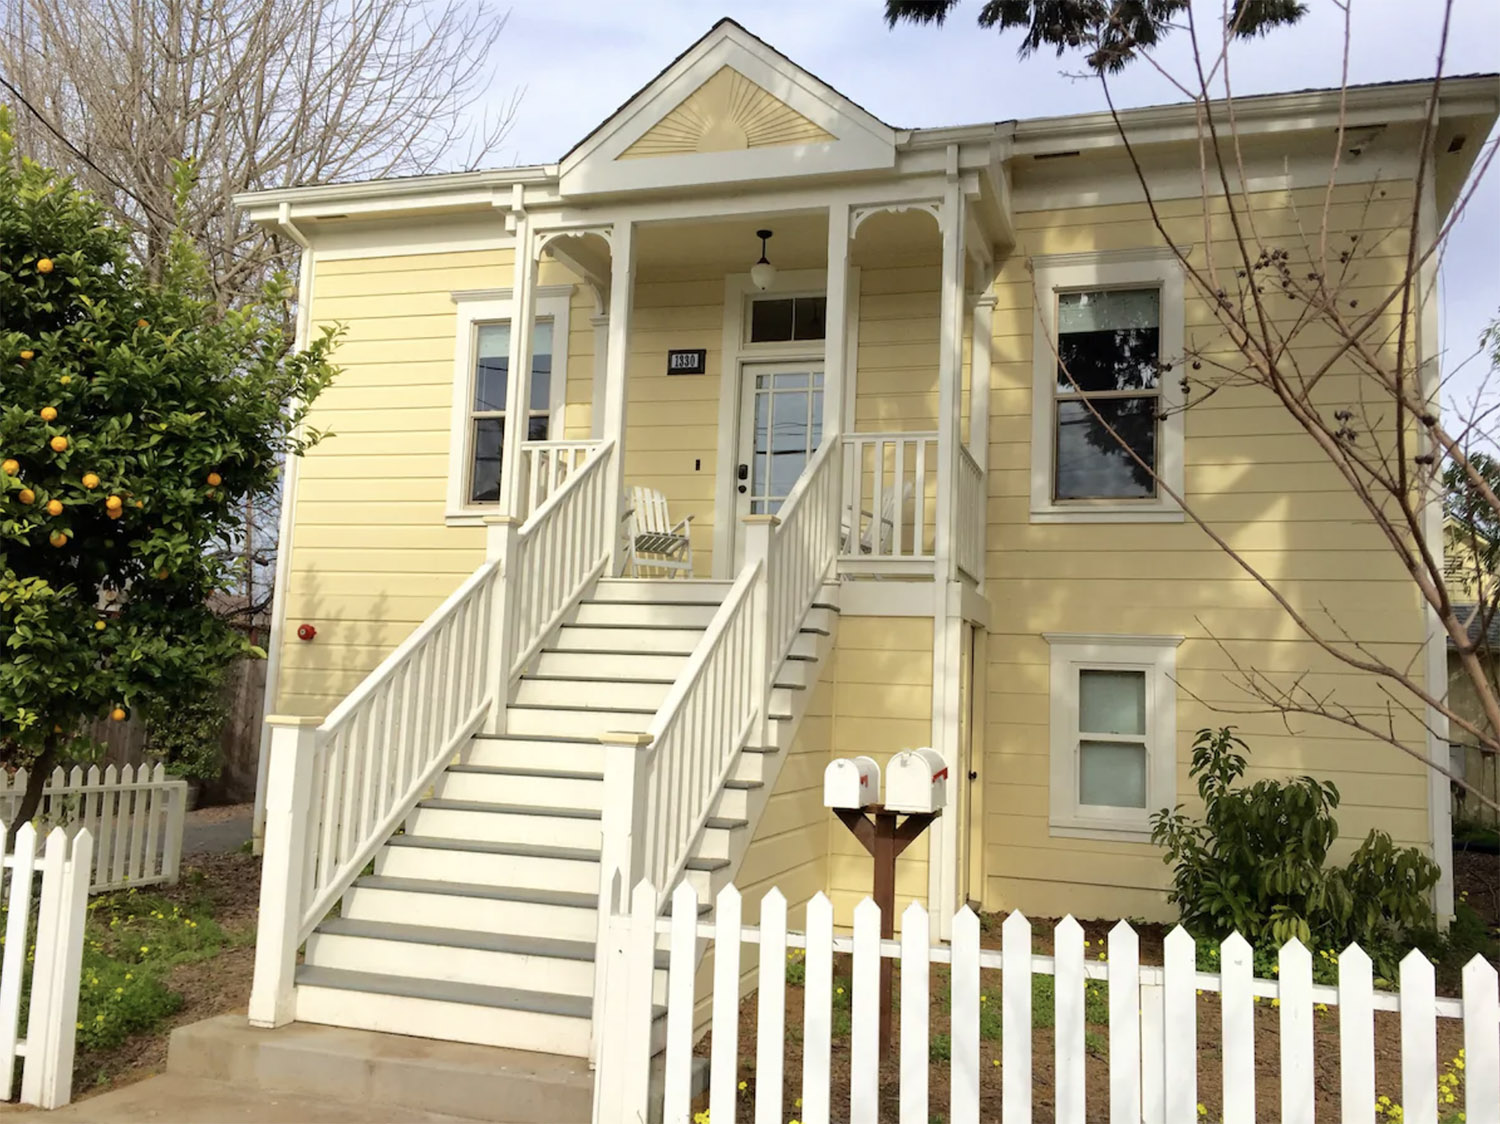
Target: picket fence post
[915,1007]
[864,1032]
[1067,955]
[725,1064]
[1237,1021]
[1124,1023]
[683,963]
[1153,1064]
[817,1017]
[1481,1007]
[770,1009]
[964,1008]
[1015,1016]
[51,1034]
[22,861]
[1179,1028]
[1418,1041]
[1298,1095]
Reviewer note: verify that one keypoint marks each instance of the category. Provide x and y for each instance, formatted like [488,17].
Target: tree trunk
[36,779]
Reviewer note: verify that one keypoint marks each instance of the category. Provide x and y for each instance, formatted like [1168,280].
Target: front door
[781,423]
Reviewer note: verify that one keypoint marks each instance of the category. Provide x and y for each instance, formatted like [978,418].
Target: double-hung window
[1106,422]
[1113,732]
[481,376]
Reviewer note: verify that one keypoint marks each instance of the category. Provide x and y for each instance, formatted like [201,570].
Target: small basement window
[787,319]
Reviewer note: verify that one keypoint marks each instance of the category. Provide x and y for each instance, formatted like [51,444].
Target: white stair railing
[969,516]
[660,786]
[337,790]
[562,548]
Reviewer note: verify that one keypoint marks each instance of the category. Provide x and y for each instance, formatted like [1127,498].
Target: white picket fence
[1152,1024]
[135,817]
[52,1005]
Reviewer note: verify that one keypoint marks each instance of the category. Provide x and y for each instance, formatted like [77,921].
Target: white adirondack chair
[653,541]
[876,536]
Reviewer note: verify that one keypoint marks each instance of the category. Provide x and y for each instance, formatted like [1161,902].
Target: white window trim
[477,306]
[1106,270]
[1157,657]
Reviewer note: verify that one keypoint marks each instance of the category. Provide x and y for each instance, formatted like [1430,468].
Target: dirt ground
[215,986]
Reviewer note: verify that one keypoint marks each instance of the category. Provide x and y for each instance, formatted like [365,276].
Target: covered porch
[718,393]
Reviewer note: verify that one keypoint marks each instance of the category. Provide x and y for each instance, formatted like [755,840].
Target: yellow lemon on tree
[143,323]
[12,466]
[59,444]
[49,413]
[65,380]
[57,538]
[214,479]
[27,354]
[161,575]
[44,265]
[140,503]
[114,502]
[90,480]
[54,507]
[99,626]
[118,714]
[26,495]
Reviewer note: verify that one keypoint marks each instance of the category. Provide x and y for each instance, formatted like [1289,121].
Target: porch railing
[545,465]
[969,516]
[889,510]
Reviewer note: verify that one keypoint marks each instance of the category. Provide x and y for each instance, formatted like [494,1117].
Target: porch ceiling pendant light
[762,273]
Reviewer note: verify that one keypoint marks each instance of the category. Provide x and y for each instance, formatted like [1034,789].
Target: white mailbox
[916,781]
[851,782]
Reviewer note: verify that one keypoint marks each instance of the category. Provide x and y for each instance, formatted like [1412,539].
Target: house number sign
[689,361]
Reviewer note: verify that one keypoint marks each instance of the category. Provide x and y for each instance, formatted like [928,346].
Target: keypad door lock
[742,474]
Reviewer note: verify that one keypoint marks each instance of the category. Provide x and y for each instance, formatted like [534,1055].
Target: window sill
[1093,829]
[1111,513]
[470,517]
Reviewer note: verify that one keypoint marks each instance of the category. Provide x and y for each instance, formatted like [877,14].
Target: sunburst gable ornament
[727,113]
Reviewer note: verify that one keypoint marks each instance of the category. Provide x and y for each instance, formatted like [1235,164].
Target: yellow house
[830,346]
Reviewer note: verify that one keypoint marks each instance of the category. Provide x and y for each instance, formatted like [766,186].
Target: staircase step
[598,690]
[526,787]
[607,638]
[490,1016]
[563,915]
[516,961]
[575,721]
[618,663]
[693,590]
[510,751]
[506,823]
[522,865]
[646,614]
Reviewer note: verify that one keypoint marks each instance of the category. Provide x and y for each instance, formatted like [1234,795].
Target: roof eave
[430,192]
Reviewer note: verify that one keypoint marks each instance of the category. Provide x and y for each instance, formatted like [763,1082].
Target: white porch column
[836,357]
[518,377]
[947,617]
[621,295]
[979,378]
[950,368]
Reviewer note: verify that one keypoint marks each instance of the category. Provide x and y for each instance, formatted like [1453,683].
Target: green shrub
[940,1048]
[1257,864]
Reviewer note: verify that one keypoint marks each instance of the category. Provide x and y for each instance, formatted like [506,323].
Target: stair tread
[642,627]
[724,822]
[474,995]
[608,651]
[522,771]
[555,739]
[734,783]
[633,681]
[581,709]
[479,890]
[518,943]
[486,847]
[706,864]
[443,804]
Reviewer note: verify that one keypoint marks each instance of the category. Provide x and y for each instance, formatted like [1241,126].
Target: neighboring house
[1477,765]
[960,561]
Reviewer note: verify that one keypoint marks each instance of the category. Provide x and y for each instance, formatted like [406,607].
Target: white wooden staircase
[442,842]
[478,923]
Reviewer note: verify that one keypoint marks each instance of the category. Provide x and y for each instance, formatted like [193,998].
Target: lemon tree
[136,419]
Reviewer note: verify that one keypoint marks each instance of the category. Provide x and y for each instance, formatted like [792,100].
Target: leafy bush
[1257,864]
[184,729]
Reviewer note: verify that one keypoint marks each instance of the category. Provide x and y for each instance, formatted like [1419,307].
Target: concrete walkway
[174,1099]
[209,830]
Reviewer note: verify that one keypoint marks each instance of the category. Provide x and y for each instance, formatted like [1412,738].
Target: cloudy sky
[579,59]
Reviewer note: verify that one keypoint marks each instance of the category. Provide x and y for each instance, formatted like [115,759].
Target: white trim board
[474,306]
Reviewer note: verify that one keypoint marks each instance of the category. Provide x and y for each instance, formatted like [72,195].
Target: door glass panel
[788,424]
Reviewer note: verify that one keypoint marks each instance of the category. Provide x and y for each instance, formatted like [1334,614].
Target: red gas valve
[306,632]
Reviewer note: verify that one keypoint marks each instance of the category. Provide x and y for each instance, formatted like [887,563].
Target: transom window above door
[787,319]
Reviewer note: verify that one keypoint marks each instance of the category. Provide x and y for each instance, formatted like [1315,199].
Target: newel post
[621,865]
[758,531]
[284,866]
[501,535]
